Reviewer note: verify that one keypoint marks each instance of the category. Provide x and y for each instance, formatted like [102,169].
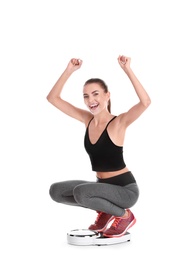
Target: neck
[102,118]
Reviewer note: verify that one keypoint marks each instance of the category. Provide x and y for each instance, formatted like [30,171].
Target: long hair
[102,85]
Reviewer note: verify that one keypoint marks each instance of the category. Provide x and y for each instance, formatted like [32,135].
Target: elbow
[50,98]
[53,99]
[147,103]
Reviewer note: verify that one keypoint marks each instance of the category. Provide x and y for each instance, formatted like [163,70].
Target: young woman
[115,189]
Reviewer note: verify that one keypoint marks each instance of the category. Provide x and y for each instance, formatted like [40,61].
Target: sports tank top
[104,154]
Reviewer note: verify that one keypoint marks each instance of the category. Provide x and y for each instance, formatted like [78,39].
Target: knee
[54,192]
[134,195]
[79,194]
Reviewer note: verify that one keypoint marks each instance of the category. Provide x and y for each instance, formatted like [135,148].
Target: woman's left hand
[124,62]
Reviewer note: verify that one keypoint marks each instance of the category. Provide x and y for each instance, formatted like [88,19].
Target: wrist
[68,72]
[128,71]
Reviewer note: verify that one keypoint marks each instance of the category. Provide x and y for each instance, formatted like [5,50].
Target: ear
[108,95]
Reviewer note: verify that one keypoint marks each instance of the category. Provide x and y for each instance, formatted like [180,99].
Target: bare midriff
[104,175]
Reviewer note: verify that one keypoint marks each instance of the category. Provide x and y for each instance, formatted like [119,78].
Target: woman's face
[95,98]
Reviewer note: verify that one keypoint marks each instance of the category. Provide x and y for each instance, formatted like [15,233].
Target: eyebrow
[94,91]
[91,92]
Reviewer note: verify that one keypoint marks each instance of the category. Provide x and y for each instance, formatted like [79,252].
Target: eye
[96,93]
[85,96]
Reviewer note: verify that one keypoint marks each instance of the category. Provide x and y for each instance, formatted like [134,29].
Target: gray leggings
[109,198]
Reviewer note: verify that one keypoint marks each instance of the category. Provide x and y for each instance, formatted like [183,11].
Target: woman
[115,190]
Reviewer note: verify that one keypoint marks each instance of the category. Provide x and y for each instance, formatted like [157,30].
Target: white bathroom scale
[86,237]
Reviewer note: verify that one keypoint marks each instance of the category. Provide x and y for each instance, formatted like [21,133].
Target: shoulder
[88,118]
[119,122]
[120,119]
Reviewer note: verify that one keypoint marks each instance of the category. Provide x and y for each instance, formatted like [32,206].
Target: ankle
[126,214]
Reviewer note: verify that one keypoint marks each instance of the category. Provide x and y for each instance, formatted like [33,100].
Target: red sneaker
[101,222]
[120,226]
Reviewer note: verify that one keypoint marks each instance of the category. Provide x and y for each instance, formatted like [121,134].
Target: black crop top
[104,154]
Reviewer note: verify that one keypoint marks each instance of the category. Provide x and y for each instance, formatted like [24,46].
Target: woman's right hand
[74,64]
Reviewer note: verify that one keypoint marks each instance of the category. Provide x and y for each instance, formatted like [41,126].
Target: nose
[88,101]
[91,99]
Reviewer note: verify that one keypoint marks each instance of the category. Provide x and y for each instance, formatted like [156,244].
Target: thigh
[122,196]
[65,188]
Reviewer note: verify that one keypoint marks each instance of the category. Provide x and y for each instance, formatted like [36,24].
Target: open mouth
[93,106]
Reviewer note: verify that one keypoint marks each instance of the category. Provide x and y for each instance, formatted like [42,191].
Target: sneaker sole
[124,232]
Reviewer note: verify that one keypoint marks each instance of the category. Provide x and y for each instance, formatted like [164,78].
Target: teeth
[95,105]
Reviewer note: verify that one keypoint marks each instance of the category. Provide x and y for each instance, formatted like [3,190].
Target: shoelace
[116,222]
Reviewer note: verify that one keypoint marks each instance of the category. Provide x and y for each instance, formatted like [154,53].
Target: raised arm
[54,96]
[144,100]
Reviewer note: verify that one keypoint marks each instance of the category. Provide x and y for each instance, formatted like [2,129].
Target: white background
[39,145]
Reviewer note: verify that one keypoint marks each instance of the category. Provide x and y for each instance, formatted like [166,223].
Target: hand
[124,62]
[74,64]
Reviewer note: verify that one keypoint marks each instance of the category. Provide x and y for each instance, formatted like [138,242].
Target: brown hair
[102,85]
